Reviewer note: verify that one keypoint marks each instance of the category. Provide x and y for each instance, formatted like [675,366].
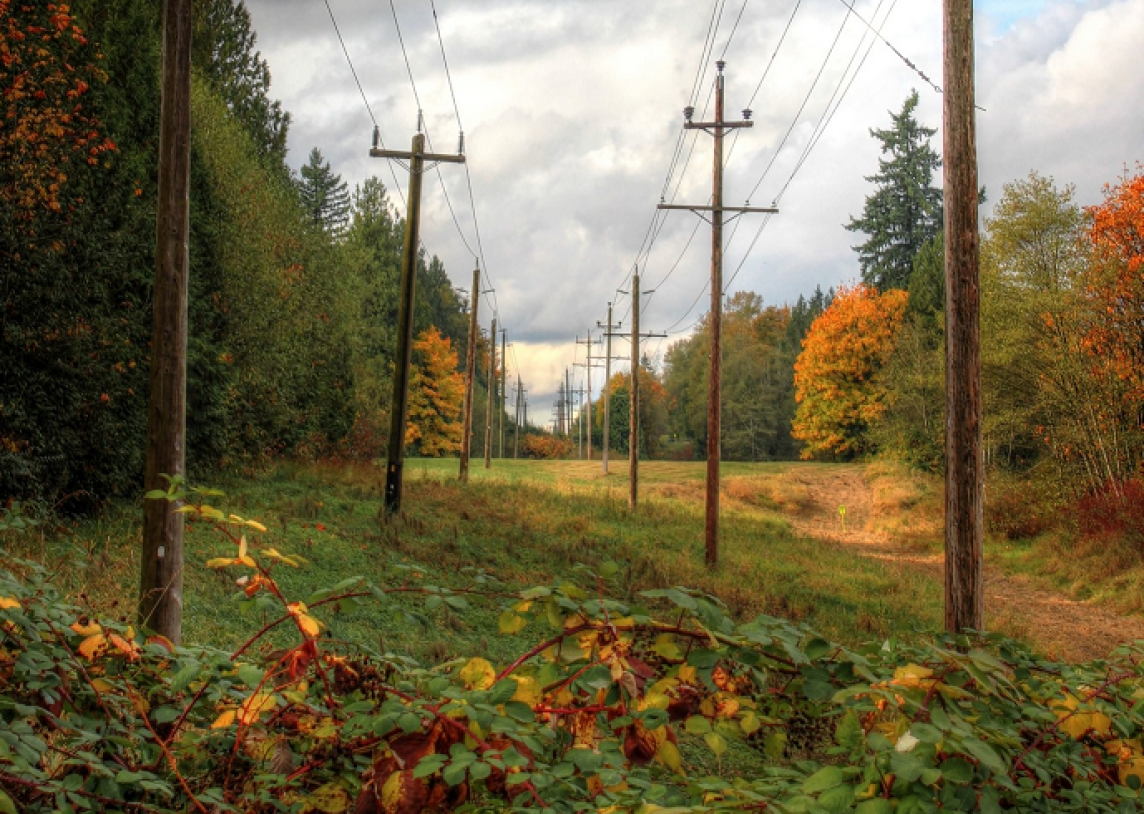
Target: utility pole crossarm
[770,210]
[442,157]
[713,125]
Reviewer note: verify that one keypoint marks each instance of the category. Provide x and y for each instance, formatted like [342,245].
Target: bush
[613,707]
[1114,513]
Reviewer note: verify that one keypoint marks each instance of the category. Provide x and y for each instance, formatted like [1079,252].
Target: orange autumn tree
[1115,282]
[836,386]
[436,390]
[47,68]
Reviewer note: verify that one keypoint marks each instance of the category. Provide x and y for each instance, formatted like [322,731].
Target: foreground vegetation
[524,642]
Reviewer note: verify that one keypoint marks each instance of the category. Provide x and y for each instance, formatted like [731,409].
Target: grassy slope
[524,522]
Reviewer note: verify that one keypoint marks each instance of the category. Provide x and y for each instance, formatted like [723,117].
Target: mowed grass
[524,523]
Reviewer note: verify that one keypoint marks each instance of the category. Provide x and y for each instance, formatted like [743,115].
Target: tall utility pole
[399,409]
[634,399]
[503,390]
[714,396]
[579,421]
[161,568]
[492,396]
[964,482]
[470,376]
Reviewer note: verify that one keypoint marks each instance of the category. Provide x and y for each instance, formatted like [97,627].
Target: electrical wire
[890,45]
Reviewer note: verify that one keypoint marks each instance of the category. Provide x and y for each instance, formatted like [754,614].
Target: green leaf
[837,800]
[250,675]
[502,691]
[957,770]
[876,806]
[926,733]
[697,725]
[479,771]
[716,743]
[428,765]
[817,649]
[825,778]
[454,773]
[985,755]
[585,760]
[609,569]
[702,658]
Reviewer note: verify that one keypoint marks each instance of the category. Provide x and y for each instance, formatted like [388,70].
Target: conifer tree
[905,210]
[325,196]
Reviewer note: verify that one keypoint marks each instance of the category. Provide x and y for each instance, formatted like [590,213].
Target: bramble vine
[669,706]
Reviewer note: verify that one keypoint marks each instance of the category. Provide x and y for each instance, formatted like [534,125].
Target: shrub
[1115,512]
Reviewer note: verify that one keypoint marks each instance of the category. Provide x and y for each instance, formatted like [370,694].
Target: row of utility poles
[964,460]
[160,597]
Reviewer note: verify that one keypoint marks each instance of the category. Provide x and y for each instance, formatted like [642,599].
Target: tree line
[294,277]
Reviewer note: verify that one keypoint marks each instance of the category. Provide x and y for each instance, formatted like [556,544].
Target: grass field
[523,522]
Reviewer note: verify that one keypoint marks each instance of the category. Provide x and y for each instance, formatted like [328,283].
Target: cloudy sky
[572,112]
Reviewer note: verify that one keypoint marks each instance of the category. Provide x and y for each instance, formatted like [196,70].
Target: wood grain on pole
[607,395]
[715,379]
[492,396]
[470,376]
[634,434]
[399,407]
[161,569]
[964,468]
[503,392]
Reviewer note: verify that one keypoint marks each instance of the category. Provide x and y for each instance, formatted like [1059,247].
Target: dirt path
[1061,626]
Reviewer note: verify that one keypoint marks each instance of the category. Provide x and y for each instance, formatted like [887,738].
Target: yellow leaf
[86,628]
[687,674]
[478,674]
[254,524]
[510,622]
[220,562]
[7,602]
[392,793]
[1133,767]
[911,675]
[254,706]
[241,545]
[102,685]
[247,560]
[91,646]
[527,690]
[225,720]
[309,625]
[668,755]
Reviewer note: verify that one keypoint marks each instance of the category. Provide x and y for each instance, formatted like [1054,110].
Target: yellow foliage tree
[838,393]
[436,390]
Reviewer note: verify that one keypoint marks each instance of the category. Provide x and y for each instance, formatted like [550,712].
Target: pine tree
[325,196]
[905,210]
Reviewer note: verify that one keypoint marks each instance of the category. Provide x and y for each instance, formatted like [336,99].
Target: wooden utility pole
[634,401]
[588,386]
[503,391]
[964,466]
[470,376]
[519,414]
[568,404]
[607,382]
[492,396]
[161,569]
[714,396]
[399,408]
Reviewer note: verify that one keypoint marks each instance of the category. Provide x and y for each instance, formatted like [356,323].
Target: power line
[890,45]
[734,28]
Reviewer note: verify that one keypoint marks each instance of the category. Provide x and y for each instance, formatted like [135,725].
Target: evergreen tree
[905,210]
[325,196]
[225,55]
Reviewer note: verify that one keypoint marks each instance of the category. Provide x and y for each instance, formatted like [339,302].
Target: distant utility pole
[568,408]
[161,568]
[492,396]
[588,386]
[470,375]
[714,397]
[634,398]
[579,394]
[399,409]
[964,466]
[503,390]
[519,413]
[607,381]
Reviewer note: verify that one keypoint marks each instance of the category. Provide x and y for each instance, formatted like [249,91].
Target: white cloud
[572,109]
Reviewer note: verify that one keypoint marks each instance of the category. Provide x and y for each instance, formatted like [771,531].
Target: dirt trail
[1061,626]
